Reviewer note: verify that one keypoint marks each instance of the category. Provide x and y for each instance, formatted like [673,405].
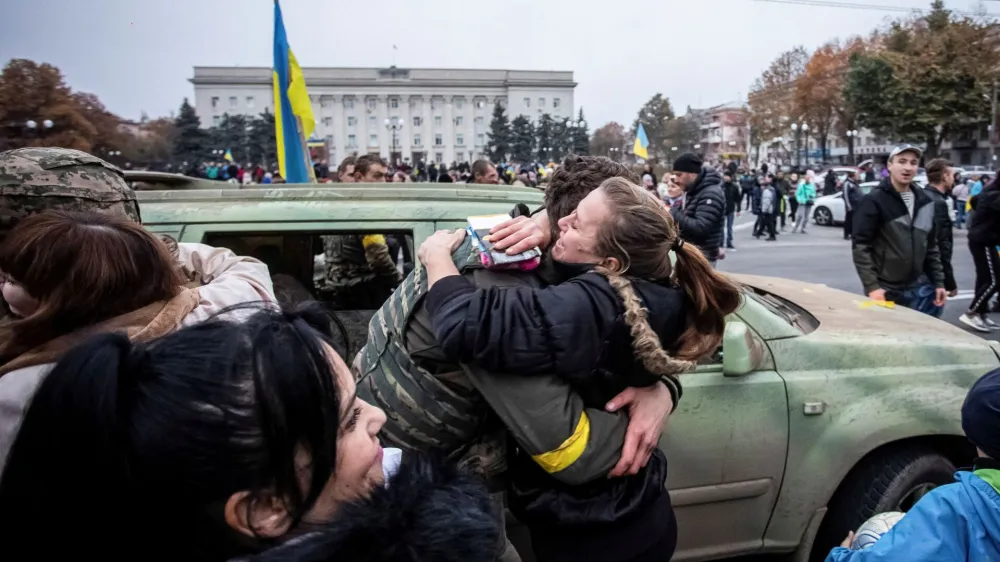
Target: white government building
[440,114]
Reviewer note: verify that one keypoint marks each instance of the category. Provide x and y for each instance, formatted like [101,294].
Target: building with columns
[402,114]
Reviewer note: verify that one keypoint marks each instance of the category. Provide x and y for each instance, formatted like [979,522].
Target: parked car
[841,172]
[829,210]
[816,412]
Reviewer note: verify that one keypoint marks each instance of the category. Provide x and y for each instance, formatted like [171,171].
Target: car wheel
[823,216]
[890,480]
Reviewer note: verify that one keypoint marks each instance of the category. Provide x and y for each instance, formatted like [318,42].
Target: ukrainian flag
[293,116]
[229,155]
[641,142]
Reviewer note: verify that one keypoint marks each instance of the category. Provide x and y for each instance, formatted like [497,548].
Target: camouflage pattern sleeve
[549,421]
[378,257]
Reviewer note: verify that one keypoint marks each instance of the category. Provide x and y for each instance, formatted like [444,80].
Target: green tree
[655,117]
[191,143]
[233,133]
[499,138]
[263,144]
[522,145]
[580,137]
[933,76]
[610,140]
[683,133]
[33,92]
[545,138]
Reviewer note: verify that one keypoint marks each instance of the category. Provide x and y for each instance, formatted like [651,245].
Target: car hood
[895,335]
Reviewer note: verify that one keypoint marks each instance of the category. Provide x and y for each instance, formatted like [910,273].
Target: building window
[460,140]
[541,102]
[435,104]
[459,104]
[233,102]
[216,120]
[459,121]
[348,104]
[250,101]
[352,141]
[394,103]
[328,121]
[480,140]
[372,140]
[372,121]
[480,121]
[555,102]
[352,121]
[437,121]
[417,121]
[480,104]
[371,104]
[438,140]
[329,141]
[527,102]
[215,102]
[416,140]
[322,101]
[438,157]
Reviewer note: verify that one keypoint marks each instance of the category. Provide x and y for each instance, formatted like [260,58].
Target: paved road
[823,256]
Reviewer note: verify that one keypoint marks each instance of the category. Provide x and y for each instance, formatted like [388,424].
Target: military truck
[818,411]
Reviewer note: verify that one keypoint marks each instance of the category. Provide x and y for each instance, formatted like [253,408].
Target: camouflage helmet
[37,179]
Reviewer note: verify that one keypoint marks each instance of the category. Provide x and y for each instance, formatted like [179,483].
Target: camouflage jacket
[352,259]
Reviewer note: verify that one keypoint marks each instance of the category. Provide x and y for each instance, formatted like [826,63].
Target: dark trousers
[768,221]
[848,224]
[793,205]
[987,276]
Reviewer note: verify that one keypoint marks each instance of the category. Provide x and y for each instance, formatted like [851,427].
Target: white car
[829,210]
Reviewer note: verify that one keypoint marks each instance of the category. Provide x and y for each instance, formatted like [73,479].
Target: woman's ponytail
[711,297]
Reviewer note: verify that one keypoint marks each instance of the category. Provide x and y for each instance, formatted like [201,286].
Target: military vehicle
[820,409]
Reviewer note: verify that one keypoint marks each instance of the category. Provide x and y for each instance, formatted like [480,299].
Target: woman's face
[21,304]
[578,231]
[359,454]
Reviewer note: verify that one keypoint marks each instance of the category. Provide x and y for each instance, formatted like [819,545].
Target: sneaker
[730,247]
[974,322]
[771,239]
[989,323]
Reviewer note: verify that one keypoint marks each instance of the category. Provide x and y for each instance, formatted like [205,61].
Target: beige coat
[227,280]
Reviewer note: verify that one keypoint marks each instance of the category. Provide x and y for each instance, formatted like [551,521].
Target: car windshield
[792,313]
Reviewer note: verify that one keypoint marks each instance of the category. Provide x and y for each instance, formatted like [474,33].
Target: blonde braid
[645,342]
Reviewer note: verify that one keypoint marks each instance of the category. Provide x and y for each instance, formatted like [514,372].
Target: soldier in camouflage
[33,180]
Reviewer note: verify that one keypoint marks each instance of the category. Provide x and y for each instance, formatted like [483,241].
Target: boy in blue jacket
[960,521]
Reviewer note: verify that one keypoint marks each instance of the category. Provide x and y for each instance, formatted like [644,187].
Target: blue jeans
[919,296]
[959,213]
[729,229]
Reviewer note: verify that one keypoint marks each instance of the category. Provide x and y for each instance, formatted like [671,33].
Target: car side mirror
[737,350]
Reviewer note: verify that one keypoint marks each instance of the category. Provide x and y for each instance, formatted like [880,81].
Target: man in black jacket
[895,240]
[852,198]
[940,180]
[733,195]
[701,218]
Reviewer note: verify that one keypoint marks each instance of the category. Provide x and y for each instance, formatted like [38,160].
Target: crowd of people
[156,397]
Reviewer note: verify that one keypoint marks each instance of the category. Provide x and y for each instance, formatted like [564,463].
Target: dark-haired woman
[67,276]
[630,318]
[215,441]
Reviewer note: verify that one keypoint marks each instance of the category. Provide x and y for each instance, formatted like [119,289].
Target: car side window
[350,273]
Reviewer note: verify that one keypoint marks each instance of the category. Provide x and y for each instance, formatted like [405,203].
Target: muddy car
[819,410]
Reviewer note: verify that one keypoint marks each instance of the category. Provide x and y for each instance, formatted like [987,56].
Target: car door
[726,446]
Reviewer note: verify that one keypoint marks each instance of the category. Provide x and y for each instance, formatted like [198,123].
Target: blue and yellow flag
[229,155]
[641,142]
[293,116]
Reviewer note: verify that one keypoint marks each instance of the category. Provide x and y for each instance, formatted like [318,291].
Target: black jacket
[891,249]
[985,227]
[830,183]
[428,512]
[702,218]
[733,196]
[852,195]
[945,236]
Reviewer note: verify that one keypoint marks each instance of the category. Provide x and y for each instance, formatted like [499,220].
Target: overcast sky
[137,55]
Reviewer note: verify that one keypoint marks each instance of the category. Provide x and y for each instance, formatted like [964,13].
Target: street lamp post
[394,126]
[613,153]
[851,136]
[799,130]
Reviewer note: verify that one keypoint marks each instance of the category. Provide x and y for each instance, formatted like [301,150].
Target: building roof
[419,77]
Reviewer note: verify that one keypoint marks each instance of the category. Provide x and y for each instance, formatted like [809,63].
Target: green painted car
[819,410]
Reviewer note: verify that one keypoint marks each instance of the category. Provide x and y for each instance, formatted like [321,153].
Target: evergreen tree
[263,143]
[545,135]
[522,145]
[499,138]
[232,133]
[190,144]
[580,137]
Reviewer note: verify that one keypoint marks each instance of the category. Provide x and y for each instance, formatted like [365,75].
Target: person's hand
[847,542]
[940,296]
[519,234]
[722,253]
[440,244]
[648,409]
[877,295]
[953,293]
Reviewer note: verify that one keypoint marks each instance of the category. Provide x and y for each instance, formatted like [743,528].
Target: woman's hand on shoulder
[648,409]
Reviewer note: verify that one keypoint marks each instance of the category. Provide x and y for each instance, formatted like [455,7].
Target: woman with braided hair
[629,318]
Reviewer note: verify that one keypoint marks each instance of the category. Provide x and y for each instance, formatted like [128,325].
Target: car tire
[888,480]
[823,216]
